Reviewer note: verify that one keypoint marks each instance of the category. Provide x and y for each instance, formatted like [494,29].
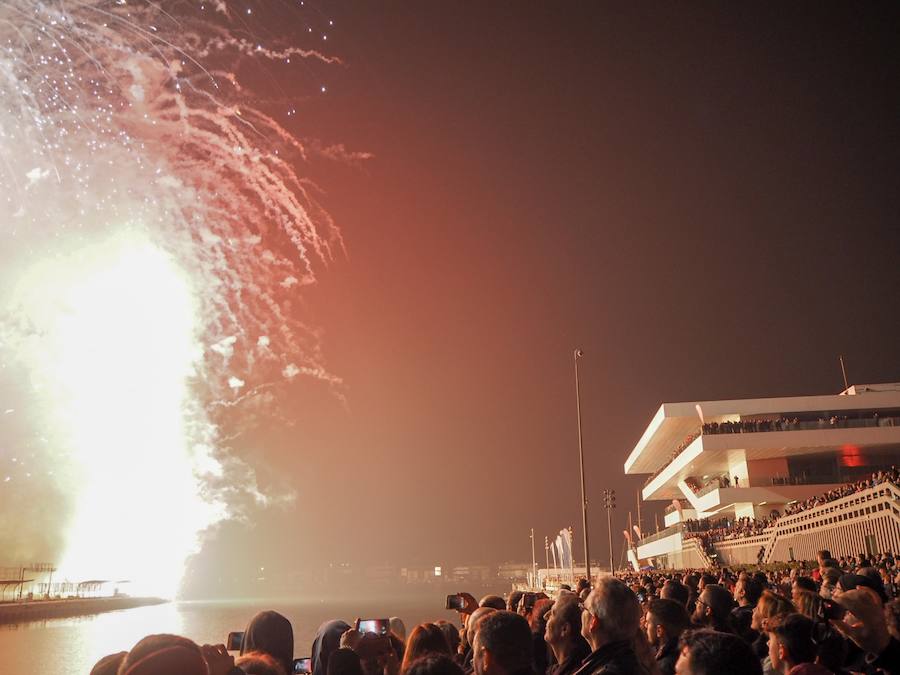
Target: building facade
[760,462]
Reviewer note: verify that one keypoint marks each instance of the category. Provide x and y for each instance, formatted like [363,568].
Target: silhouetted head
[425,639]
[259,663]
[435,664]
[271,633]
[502,645]
[494,601]
[326,642]
[613,613]
[707,652]
[164,654]
[109,665]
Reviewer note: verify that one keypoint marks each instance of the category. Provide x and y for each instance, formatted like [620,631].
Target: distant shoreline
[40,610]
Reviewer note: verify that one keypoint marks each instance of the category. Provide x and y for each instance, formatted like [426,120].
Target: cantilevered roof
[674,422]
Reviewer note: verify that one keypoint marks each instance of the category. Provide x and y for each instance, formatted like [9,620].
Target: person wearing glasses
[713,609]
[611,623]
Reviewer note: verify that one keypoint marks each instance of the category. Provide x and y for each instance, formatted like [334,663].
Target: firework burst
[155,235]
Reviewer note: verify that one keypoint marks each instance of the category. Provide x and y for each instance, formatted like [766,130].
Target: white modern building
[753,457]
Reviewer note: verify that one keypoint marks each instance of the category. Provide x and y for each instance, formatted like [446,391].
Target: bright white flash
[117,348]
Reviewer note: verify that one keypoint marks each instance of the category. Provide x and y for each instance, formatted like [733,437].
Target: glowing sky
[703,199]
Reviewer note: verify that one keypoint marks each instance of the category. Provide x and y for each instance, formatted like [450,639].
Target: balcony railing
[662,534]
[681,448]
[787,424]
[769,425]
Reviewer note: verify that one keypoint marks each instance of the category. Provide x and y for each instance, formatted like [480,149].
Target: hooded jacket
[271,633]
[326,642]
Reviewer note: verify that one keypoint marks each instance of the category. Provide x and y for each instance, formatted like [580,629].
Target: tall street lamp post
[587,551]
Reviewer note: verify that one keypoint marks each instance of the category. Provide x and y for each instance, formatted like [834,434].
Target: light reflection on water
[74,645]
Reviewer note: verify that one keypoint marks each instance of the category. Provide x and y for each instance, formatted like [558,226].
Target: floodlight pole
[584,522]
[533,562]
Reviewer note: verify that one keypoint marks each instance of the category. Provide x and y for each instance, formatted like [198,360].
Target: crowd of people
[892,475]
[835,616]
[710,530]
[795,424]
[690,438]
[751,426]
[773,424]
[721,529]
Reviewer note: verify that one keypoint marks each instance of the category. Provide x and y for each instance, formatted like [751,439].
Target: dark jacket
[581,651]
[888,660]
[666,656]
[327,641]
[614,658]
[741,618]
[760,646]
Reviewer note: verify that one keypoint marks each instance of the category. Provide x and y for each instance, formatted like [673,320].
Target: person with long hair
[425,639]
[770,606]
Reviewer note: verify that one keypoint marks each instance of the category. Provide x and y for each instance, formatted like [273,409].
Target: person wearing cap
[865,624]
[848,582]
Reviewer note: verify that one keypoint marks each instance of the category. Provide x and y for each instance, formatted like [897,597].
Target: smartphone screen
[377,626]
[302,665]
[455,602]
[235,638]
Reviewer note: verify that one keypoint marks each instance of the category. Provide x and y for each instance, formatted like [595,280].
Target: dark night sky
[701,196]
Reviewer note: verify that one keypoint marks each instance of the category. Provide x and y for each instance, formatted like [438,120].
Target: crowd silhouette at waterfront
[833,615]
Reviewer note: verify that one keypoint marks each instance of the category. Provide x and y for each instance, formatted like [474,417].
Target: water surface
[72,646]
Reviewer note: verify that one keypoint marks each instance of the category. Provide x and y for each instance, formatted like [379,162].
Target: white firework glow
[154,235]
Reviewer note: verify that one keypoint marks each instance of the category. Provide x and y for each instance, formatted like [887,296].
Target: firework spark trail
[154,235]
